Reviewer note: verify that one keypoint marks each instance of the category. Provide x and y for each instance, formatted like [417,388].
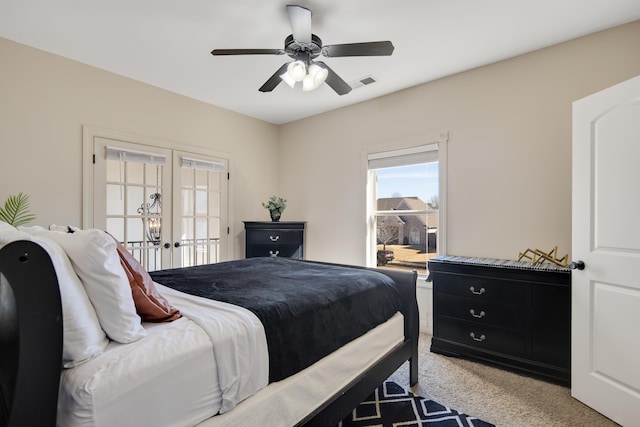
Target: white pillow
[6,227]
[83,338]
[95,259]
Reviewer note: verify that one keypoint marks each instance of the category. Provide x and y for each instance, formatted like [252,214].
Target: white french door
[200,186]
[167,207]
[132,187]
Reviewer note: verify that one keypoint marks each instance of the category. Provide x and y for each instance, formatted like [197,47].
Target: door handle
[176,244]
[167,245]
[576,265]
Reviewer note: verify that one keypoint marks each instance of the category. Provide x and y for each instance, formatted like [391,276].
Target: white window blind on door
[189,163]
[123,155]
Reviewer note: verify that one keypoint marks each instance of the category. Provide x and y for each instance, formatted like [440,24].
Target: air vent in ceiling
[364,81]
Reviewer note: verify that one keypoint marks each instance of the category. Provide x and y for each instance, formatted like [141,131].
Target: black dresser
[274,238]
[503,312]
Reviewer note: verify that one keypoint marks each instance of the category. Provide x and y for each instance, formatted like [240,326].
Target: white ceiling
[166,43]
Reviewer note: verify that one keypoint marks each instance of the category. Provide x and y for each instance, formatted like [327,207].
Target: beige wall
[509,143]
[509,149]
[45,100]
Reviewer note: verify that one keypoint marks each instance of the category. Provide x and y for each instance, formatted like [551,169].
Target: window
[404,206]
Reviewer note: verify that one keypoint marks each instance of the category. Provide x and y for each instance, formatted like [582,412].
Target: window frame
[416,145]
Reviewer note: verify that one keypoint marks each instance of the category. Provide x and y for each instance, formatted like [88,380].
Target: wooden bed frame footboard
[31,342]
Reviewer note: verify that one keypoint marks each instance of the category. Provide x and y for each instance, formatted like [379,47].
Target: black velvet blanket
[308,310]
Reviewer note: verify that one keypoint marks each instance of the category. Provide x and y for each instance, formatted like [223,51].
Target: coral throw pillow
[150,305]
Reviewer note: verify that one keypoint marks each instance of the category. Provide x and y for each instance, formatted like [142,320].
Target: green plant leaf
[16,210]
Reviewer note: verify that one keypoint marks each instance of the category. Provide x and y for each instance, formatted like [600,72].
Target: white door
[132,184]
[169,208]
[605,372]
[200,209]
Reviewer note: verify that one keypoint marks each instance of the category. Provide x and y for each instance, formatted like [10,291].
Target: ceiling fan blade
[247,52]
[300,20]
[335,81]
[384,48]
[274,80]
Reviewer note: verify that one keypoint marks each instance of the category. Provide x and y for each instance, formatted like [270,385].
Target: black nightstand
[274,238]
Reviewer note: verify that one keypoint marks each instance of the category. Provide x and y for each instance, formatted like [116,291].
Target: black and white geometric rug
[393,406]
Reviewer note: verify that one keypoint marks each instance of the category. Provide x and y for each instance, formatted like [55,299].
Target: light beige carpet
[501,397]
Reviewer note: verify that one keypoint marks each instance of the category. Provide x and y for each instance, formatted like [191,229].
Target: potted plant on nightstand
[276,206]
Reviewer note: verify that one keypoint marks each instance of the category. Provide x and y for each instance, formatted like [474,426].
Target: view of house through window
[405,210]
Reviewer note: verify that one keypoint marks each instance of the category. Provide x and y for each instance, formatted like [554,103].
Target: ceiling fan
[304,47]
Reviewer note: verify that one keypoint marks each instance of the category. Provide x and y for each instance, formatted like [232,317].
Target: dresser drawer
[287,251]
[274,237]
[485,337]
[482,312]
[481,288]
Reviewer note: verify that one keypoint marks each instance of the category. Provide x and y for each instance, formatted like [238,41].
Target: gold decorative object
[538,257]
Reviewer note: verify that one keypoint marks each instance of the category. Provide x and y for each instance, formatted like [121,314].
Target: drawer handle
[473,337]
[274,254]
[477,316]
[473,291]
[274,238]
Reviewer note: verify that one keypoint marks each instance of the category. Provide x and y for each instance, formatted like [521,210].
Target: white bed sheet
[287,402]
[190,369]
[171,376]
[172,367]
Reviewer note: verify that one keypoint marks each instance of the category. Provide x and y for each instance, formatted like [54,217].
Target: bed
[174,358]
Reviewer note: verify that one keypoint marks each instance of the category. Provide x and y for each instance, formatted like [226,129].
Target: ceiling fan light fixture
[308,84]
[297,70]
[286,77]
[303,46]
[317,75]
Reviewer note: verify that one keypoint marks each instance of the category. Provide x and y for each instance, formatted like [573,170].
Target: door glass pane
[131,216]
[114,170]
[201,211]
[135,173]
[201,179]
[115,226]
[115,199]
[134,233]
[187,178]
[201,229]
[214,228]
[215,181]
[187,202]
[188,230]
[201,202]
[214,204]
[135,198]
[153,175]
